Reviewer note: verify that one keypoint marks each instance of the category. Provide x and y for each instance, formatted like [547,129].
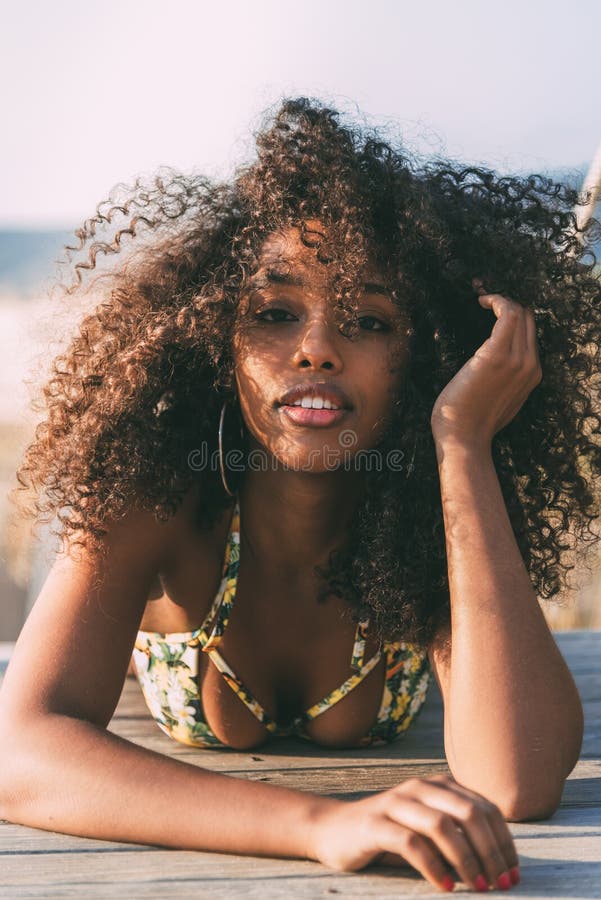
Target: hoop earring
[220,442]
[409,469]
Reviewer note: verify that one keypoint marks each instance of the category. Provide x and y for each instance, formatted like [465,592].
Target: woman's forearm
[513,716]
[71,776]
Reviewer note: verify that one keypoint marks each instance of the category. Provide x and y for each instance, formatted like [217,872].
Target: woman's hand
[433,824]
[493,385]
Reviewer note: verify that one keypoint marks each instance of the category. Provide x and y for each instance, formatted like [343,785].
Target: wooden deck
[560,857]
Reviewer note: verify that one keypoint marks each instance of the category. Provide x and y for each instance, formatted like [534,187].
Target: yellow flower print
[187,684]
[416,662]
[181,733]
[386,704]
[419,695]
[184,715]
[152,697]
[160,674]
[168,667]
[141,661]
[400,707]
[176,696]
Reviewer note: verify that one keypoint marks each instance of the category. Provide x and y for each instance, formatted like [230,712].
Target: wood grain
[560,857]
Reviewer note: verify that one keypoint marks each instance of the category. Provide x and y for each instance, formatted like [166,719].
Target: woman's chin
[316,461]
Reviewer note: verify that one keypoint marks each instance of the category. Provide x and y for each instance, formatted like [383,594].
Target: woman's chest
[286,650]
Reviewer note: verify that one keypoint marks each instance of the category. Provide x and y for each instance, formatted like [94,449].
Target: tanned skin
[63,771]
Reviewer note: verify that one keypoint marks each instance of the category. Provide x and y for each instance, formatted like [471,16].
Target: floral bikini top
[167,668]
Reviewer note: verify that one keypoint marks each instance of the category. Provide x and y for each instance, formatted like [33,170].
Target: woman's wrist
[449,443]
[318,814]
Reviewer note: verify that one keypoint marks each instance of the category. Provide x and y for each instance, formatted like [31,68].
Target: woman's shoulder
[138,532]
[184,528]
[185,582]
[182,540]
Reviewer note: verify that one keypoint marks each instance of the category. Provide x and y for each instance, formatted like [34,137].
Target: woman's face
[287,336]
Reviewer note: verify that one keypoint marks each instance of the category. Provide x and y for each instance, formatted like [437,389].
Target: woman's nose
[319,345]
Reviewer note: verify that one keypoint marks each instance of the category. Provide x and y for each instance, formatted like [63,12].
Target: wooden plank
[547,862]
[580,808]
[560,857]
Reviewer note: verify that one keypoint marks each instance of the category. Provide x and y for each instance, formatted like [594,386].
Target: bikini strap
[359,646]
[338,693]
[230,677]
[359,668]
[224,599]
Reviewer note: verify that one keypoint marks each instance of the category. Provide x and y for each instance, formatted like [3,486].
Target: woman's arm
[61,770]
[77,778]
[513,716]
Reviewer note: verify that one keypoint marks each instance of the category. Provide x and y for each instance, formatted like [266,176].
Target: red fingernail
[448,883]
[481,883]
[515,875]
[504,882]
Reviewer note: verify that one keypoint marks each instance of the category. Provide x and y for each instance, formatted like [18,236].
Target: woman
[451,320]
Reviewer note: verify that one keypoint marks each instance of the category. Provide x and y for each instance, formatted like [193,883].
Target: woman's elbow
[529,807]
[519,799]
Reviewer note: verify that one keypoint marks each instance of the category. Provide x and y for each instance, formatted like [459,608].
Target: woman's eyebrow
[373,287]
[277,276]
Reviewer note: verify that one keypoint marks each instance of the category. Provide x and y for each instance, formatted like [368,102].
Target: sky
[98,93]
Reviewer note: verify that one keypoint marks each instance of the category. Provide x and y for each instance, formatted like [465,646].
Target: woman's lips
[319,418]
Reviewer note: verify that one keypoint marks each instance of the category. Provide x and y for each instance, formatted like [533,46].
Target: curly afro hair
[145,375]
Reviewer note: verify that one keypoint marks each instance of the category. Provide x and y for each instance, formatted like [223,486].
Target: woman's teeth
[314,403]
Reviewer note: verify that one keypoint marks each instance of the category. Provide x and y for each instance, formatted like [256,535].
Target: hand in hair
[492,386]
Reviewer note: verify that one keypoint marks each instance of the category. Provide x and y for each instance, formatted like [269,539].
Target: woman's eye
[277,316]
[382,325]
[270,312]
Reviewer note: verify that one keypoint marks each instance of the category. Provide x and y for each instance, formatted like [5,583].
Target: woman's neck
[291,521]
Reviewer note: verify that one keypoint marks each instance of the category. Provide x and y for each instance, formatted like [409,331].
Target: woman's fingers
[482,823]
[417,850]
[519,345]
[503,330]
[490,850]
[493,812]
[508,335]
[428,819]
[531,339]
[435,825]
[513,337]
[517,337]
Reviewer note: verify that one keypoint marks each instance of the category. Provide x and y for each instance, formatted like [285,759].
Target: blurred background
[96,94]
